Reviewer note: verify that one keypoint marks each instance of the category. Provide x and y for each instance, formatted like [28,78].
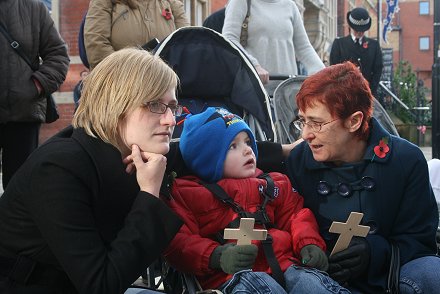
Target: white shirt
[354,39]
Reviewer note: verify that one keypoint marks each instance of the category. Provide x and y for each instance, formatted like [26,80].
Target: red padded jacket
[204,215]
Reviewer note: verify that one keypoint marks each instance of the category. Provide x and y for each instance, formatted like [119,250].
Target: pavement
[427,151]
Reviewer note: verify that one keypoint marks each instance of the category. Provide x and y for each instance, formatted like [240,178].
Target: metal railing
[385,87]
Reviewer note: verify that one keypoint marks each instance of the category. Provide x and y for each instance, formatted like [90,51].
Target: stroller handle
[280,77]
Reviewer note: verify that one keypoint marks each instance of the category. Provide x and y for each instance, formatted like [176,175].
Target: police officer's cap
[359,19]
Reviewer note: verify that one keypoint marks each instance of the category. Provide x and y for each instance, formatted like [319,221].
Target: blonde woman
[115,24]
[83,215]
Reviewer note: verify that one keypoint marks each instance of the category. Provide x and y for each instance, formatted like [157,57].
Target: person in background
[216,20]
[349,163]
[359,49]
[78,87]
[220,149]
[83,214]
[23,90]
[276,36]
[115,24]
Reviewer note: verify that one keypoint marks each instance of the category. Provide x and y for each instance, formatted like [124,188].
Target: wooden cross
[245,232]
[348,230]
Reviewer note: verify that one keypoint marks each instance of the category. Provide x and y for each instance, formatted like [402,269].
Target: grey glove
[232,258]
[313,256]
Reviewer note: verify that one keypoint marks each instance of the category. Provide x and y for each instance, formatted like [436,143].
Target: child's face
[240,160]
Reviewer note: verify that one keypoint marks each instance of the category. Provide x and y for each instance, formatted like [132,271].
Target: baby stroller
[214,72]
[286,111]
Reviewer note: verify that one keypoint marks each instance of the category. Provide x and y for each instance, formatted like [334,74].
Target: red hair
[343,90]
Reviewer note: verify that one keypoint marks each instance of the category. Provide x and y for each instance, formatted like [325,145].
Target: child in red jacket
[219,147]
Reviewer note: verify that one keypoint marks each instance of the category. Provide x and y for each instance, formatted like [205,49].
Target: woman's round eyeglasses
[161,108]
[315,126]
[346,189]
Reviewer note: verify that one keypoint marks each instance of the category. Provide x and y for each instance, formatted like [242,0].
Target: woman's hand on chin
[149,167]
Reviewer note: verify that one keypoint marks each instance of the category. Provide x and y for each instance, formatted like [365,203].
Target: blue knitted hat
[205,141]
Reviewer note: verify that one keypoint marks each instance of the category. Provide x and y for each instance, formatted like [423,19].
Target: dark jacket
[368,56]
[216,20]
[30,24]
[73,206]
[401,207]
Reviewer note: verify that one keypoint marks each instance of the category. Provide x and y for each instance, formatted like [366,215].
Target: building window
[196,11]
[424,7]
[424,43]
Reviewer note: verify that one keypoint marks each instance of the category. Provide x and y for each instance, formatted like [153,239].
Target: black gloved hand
[313,256]
[232,258]
[351,262]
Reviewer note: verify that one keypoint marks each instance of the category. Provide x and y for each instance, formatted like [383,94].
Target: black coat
[215,21]
[73,206]
[368,56]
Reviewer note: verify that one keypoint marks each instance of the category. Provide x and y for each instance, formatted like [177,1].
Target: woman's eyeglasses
[315,126]
[161,108]
[346,189]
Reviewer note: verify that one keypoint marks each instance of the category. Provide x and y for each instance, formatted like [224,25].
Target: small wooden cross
[348,230]
[245,232]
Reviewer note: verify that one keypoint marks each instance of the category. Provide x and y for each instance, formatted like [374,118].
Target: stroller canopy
[212,68]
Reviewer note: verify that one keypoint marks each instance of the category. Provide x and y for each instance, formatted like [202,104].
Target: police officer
[359,49]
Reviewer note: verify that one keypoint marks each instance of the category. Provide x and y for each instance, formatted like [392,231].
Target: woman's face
[150,131]
[331,143]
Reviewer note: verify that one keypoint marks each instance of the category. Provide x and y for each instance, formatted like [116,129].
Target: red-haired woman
[349,163]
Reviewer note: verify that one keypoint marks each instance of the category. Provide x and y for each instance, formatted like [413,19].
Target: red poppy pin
[365,45]
[382,148]
[166,13]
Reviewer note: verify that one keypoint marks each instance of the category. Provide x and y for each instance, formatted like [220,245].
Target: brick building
[413,38]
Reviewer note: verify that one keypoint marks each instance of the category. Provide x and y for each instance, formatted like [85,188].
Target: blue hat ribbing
[205,141]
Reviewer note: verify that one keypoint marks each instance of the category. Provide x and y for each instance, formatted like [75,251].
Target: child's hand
[232,258]
[313,256]
[149,167]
